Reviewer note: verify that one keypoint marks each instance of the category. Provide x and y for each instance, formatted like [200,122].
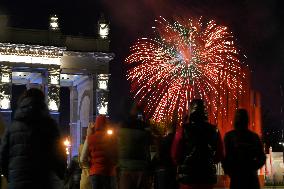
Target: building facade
[49,60]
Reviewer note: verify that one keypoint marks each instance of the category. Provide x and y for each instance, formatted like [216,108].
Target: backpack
[197,165]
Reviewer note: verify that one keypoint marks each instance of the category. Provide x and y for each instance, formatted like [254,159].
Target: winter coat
[32,155]
[244,155]
[3,181]
[102,149]
[85,182]
[73,174]
[163,157]
[134,147]
[196,149]
[2,126]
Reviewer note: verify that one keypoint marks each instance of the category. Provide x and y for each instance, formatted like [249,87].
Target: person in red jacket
[102,150]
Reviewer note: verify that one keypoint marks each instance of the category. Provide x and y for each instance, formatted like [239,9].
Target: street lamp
[53,23]
[67,145]
[109,131]
[282,144]
[103,27]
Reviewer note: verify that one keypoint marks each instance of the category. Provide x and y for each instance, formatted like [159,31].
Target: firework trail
[188,59]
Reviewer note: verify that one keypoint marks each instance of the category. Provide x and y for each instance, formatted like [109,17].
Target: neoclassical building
[49,60]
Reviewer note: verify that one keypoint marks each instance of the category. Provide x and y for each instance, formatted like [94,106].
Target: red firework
[188,59]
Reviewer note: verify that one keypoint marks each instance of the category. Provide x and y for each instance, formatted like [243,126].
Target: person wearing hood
[196,149]
[102,152]
[32,155]
[244,154]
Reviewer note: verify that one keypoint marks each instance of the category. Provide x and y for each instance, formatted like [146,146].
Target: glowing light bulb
[109,131]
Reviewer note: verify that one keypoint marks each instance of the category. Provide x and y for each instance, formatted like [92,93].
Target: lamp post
[53,23]
[109,131]
[282,120]
[282,144]
[103,27]
[67,145]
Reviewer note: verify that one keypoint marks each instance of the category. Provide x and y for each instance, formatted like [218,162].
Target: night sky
[256,24]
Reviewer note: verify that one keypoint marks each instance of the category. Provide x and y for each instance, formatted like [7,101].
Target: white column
[74,119]
[6,92]
[102,94]
[53,91]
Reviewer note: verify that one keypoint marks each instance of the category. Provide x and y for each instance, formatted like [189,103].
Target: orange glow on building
[249,99]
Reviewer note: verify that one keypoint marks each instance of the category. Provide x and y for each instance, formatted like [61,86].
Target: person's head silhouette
[35,95]
[241,119]
[197,111]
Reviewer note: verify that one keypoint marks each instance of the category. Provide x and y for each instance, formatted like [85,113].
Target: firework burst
[188,59]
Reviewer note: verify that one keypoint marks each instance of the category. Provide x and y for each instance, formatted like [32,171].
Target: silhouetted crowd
[128,155]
